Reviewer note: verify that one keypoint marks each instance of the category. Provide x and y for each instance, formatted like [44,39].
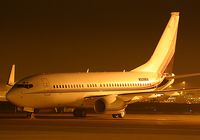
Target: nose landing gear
[30,115]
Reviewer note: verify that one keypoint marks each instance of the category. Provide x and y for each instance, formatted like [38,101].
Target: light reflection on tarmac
[133,126]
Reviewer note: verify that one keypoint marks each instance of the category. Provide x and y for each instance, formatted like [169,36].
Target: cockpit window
[24,85]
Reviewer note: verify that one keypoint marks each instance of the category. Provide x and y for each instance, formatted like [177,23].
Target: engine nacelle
[110,103]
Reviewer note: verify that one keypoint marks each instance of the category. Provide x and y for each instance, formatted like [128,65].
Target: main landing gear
[120,115]
[79,112]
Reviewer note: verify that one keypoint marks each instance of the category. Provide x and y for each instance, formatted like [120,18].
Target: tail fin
[164,52]
[11,80]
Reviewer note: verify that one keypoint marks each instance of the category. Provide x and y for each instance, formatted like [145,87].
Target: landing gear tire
[30,115]
[79,112]
[121,115]
[18,109]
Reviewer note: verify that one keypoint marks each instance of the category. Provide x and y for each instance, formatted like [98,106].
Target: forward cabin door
[45,84]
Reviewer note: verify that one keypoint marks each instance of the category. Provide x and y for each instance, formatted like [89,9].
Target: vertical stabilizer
[164,52]
[11,80]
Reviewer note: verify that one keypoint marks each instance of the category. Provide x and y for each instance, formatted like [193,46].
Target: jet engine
[110,103]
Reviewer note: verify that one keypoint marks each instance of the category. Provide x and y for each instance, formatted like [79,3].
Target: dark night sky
[61,36]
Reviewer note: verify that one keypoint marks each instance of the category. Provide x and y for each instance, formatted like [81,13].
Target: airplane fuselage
[69,89]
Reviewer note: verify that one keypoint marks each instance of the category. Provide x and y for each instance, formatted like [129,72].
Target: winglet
[11,80]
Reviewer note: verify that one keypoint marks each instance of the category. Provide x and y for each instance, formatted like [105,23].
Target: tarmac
[14,126]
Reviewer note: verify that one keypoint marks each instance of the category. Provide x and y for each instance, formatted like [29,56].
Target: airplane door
[45,84]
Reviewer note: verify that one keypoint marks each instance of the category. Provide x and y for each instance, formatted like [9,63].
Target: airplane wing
[135,97]
[3,90]
[132,97]
[182,76]
[168,92]
[3,98]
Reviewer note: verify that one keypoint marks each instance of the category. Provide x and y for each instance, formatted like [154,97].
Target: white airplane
[5,87]
[106,92]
